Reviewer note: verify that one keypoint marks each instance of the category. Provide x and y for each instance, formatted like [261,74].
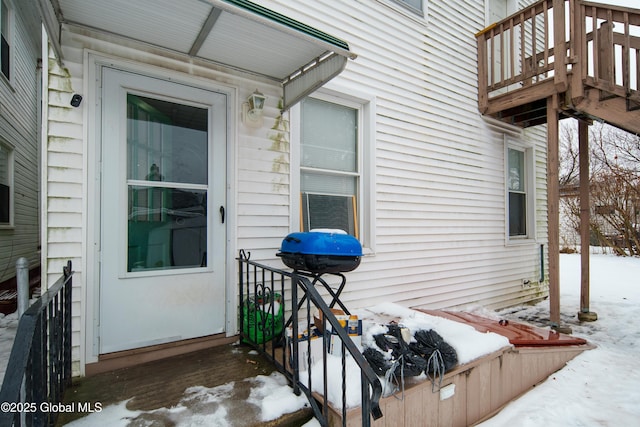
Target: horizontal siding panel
[69,249]
[64,160]
[58,189]
[62,235]
[64,145]
[67,204]
[66,130]
[64,219]
[19,102]
[64,174]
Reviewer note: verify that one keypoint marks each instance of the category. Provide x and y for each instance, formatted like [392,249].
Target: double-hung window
[335,163]
[5,39]
[6,185]
[520,192]
[330,166]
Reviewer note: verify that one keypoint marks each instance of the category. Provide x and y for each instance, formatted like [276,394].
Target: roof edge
[313,34]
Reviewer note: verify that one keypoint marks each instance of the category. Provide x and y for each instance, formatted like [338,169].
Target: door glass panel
[167,185]
[166,141]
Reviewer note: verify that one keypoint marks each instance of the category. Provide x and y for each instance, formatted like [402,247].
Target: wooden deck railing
[554,44]
[614,47]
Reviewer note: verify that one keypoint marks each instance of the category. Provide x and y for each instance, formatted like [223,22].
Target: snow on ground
[8,327]
[598,387]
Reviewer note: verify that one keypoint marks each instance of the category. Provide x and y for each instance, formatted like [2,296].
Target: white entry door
[163,147]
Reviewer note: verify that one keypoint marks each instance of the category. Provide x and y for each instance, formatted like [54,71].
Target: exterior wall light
[252,109]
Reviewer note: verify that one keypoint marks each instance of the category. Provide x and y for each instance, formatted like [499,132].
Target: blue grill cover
[321,243]
[321,252]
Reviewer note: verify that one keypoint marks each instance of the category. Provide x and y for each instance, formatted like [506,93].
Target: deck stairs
[584,55]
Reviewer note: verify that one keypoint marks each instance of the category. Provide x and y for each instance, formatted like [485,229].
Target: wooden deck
[475,391]
[467,395]
[586,54]
[470,393]
[151,386]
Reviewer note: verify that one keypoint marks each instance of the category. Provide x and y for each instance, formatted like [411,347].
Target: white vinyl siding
[436,208]
[19,130]
[439,201]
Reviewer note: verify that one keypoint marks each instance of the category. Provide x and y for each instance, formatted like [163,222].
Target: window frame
[529,190]
[411,8]
[365,213]
[10,181]
[9,38]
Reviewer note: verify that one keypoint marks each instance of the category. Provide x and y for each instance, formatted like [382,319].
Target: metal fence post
[22,286]
[22,278]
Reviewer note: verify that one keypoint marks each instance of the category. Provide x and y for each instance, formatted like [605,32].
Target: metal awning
[234,33]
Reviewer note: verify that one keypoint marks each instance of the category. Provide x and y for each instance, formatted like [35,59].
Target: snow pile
[274,397]
[600,386]
[468,343]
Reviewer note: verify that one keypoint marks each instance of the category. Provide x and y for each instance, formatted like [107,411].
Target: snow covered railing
[264,292]
[40,360]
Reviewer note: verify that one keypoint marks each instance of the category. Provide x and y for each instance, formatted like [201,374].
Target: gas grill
[321,252]
[316,253]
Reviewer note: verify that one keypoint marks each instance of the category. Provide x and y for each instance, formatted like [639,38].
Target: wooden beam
[583,143]
[482,74]
[560,50]
[553,209]
[578,51]
[521,96]
[585,207]
[605,53]
[613,111]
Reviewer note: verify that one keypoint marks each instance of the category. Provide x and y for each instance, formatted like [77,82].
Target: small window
[517,194]
[6,184]
[520,197]
[414,5]
[329,166]
[5,45]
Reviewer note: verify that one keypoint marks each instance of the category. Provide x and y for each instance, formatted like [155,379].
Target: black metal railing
[264,326]
[40,360]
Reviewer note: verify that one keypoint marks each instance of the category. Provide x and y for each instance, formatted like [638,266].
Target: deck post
[578,57]
[583,142]
[560,46]
[553,209]
[605,48]
[482,72]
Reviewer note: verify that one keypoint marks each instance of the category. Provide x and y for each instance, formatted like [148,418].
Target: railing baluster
[595,55]
[626,60]
[41,355]
[371,388]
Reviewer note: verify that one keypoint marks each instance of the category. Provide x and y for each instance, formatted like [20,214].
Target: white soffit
[234,33]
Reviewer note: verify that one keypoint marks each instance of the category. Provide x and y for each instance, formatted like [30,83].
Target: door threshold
[126,358]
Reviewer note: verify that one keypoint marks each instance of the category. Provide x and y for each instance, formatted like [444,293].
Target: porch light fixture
[252,109]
